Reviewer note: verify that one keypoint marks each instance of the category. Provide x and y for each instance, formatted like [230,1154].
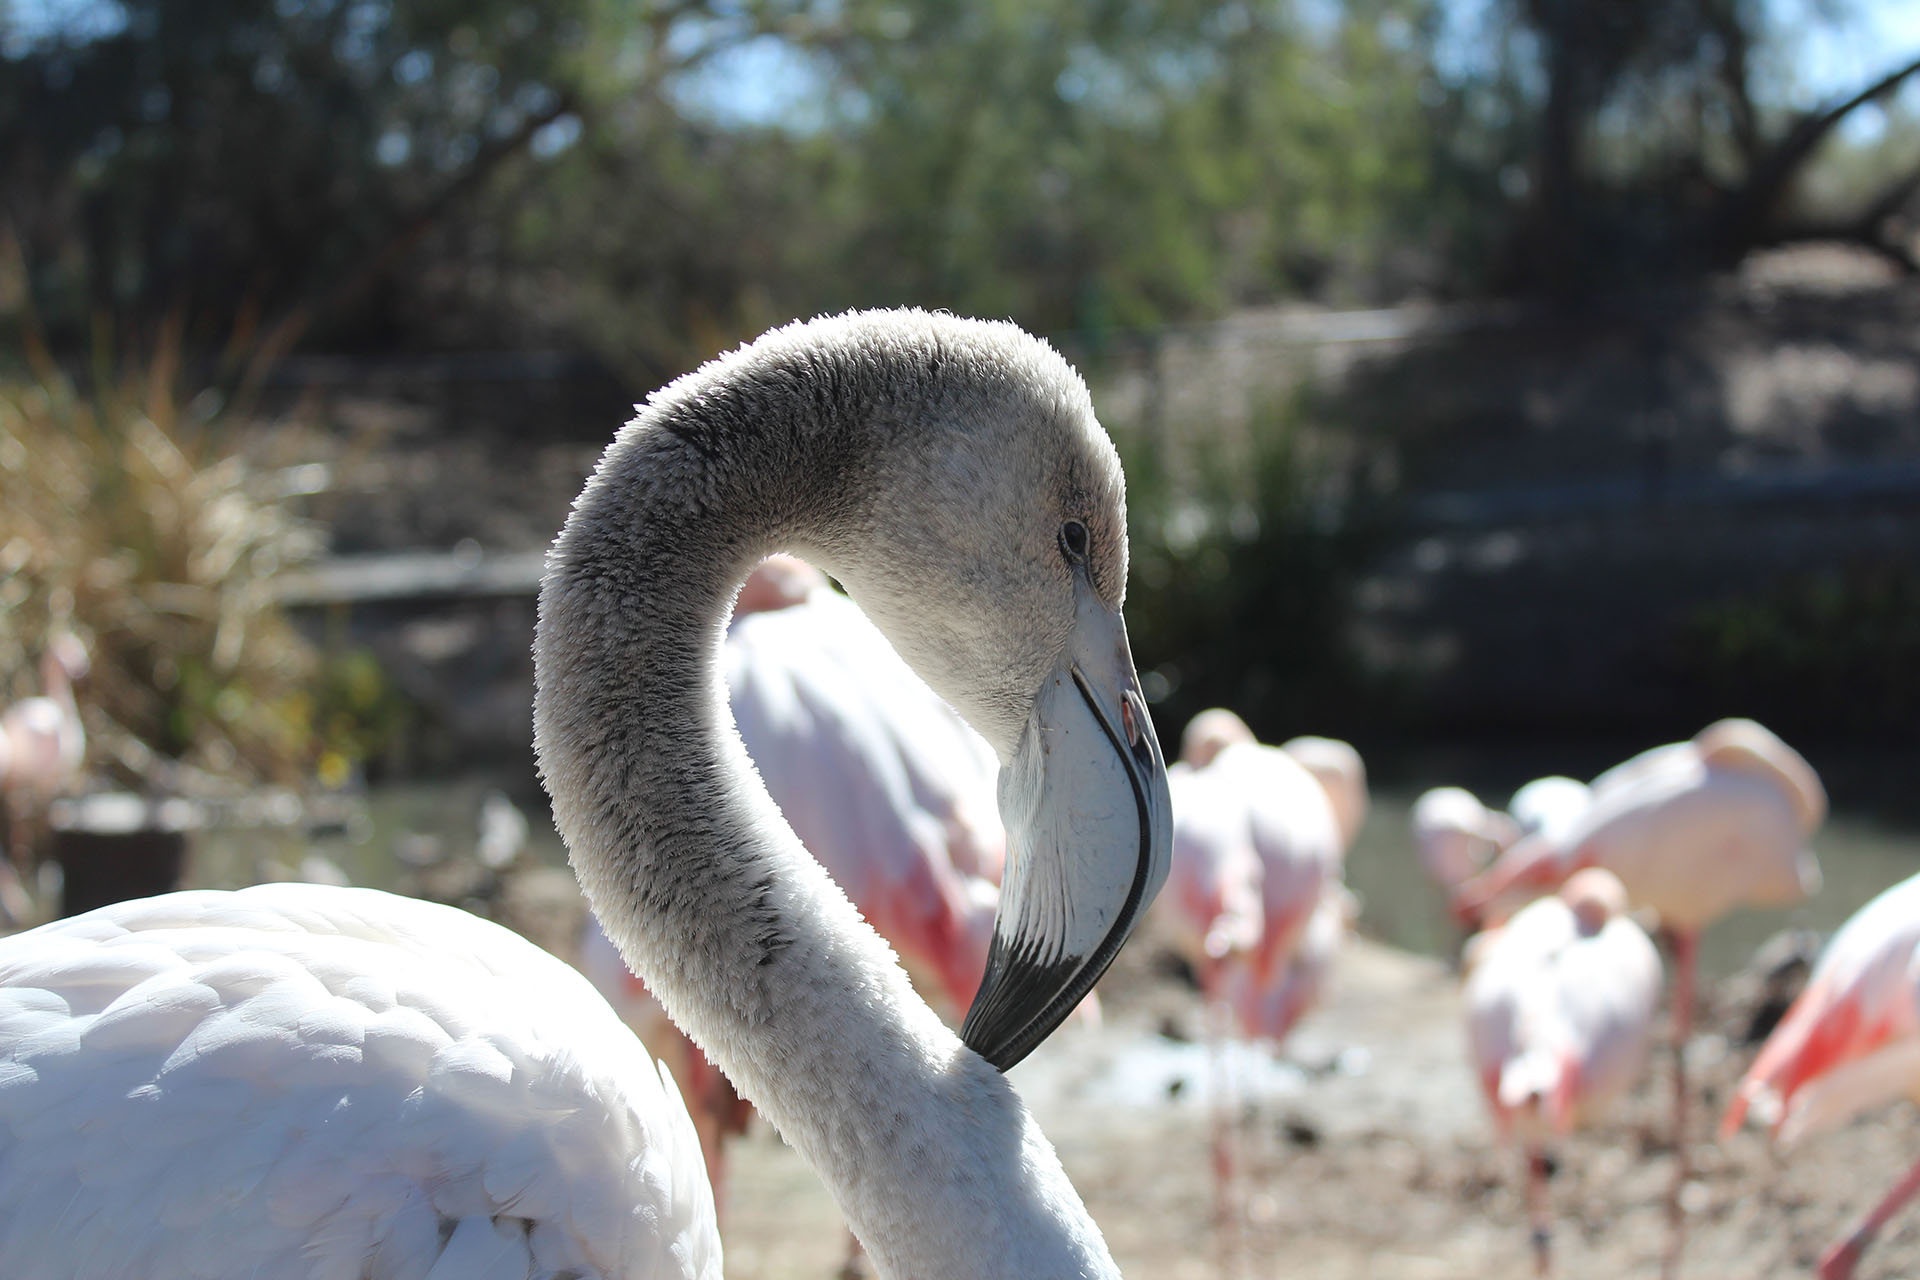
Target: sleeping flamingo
[301,1079]
[1560,1001]
[1693,830]
[1255,820]
[1850,1042]
[884,784]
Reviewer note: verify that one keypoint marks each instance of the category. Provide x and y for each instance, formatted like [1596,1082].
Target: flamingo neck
[710,897]
[59,691]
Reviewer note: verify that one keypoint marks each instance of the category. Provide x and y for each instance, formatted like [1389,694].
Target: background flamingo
[882,781]
[1549,806]
[1851,1041]
[885,785]
[1259,836]
[43,759]
[1455,836]
[1560,1001]
[1693,830]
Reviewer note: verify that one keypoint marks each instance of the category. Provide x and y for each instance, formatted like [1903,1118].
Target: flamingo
[394,1087]
[1693,830]
[1560,1002]
[46,743]
[1850,1042]
[1274,1012]
[1259,836]
[1455,835]
[45,750]
[1260,833]
[1550,805]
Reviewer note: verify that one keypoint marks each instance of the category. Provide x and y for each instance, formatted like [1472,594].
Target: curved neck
[750,946]
[58,685]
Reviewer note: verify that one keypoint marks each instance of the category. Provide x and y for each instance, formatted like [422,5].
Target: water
[1872,840]
[378,839]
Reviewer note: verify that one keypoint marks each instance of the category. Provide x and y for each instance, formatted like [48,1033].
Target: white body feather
[298,1080]
[1558,1022]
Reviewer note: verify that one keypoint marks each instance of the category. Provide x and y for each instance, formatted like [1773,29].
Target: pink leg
[1843,1255]
[1223,1127]
[1684,945]
[1223,1155]
[1539,1213]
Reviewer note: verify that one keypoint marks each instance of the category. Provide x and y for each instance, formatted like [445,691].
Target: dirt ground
[1367,1154]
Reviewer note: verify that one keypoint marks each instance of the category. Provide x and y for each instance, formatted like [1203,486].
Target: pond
[1871,840]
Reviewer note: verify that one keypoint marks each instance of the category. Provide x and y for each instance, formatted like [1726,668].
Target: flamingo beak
[1089,839]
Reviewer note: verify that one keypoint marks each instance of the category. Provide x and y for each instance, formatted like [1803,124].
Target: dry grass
[127,517]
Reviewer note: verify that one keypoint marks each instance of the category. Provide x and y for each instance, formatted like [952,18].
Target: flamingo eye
[1073,540]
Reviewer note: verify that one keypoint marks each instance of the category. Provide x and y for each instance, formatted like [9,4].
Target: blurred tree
[1123,163]
[246,160]
[1653,139]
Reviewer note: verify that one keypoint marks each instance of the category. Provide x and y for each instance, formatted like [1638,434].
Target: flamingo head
[1595,896]
[66,655]
[988,540]
[1210,733]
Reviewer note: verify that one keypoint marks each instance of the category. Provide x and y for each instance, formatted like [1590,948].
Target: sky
[1830,61]
[761,82]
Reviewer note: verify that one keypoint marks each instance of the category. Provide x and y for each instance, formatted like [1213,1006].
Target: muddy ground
[1368,1156]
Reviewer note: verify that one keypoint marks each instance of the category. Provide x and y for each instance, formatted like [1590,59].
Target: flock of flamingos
[303,1080]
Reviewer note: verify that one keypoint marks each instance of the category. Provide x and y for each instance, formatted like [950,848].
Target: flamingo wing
[1861,1002]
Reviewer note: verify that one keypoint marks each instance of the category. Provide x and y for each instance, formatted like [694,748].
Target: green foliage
[655,179]
[1083,167]
[1799,655]
[1238,589]
[226,158]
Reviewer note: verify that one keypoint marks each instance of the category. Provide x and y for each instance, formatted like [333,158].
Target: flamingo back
[883,782]
[1558,1023]
[1693,841]
[408,1091]
[1298,837]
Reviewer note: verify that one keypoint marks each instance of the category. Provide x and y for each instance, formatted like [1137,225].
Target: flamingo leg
[1843,1255]
[1539,1212]
[1224,1139]
[1685,945]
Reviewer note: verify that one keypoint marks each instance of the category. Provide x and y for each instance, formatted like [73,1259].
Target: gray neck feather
[713,901]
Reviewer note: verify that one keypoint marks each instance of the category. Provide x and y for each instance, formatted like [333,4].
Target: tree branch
[1747,208]
[284,334]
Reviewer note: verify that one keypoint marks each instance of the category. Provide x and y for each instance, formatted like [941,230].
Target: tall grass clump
[127,517]
[1243,550]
